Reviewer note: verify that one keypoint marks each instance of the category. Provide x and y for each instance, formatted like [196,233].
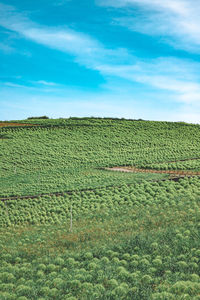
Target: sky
[137,59]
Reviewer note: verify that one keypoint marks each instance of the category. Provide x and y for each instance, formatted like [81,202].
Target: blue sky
[120,58]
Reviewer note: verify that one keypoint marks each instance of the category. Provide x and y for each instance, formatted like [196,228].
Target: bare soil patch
[137,170]
[8,124]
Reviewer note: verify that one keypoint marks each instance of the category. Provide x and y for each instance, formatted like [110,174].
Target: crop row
[56,209]
[179,165]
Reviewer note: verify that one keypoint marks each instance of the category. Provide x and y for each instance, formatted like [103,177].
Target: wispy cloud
[176,21]
[85,49]
[172,75]
[6,48]
[178,78]
[15,85]
[44,82]
[31,85]
[64,40]
[60,2]
[177,6]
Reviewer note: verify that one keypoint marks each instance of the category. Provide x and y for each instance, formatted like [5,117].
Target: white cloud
[175,6]
[169,74]
[176,20]
[172,75]
[87,50]
[15,85]
[44,82]
[64,40]
[42,85]
[178,78]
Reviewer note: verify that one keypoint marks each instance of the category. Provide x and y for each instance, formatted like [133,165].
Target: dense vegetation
[68,154]
[191,164]
[134,242]
[136,239]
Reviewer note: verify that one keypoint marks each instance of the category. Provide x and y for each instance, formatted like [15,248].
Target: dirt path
[137,170]
[7,124]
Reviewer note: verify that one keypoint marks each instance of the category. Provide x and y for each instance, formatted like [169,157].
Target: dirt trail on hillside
[137,170]
[7,124]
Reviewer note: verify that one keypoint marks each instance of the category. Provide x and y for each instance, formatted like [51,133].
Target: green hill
[78,231]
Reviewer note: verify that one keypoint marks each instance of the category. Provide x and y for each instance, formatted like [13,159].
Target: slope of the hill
[68,154]
[123,236]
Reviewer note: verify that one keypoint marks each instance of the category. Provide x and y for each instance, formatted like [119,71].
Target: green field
[133,235]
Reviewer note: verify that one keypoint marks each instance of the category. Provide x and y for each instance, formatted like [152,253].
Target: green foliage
[150,250]
[69,154]
[133,240]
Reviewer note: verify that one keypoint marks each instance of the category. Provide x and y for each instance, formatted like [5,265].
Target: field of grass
[107,235]
[70,154]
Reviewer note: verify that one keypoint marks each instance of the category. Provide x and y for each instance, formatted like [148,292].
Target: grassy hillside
[133,235]
[68,154]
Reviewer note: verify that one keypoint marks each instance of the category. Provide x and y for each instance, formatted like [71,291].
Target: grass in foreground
[145,247]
